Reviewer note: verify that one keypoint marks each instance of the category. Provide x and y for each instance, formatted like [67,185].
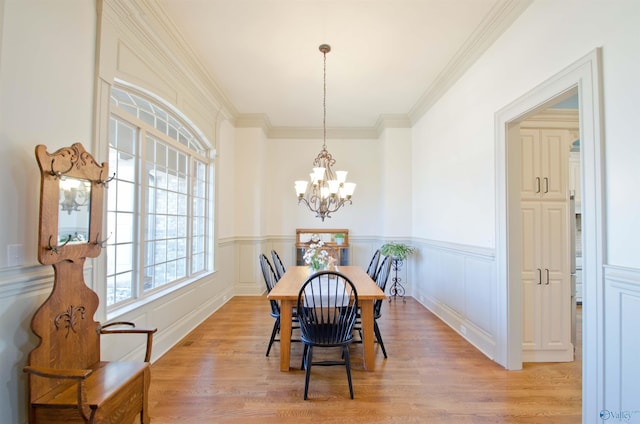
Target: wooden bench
[68,381]
[120,388]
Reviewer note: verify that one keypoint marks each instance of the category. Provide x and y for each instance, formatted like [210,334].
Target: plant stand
[396,288]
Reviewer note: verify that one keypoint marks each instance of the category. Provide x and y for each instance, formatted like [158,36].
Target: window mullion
[190,178]
[141,213]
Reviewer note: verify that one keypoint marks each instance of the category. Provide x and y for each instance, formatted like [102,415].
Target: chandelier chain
[324,103]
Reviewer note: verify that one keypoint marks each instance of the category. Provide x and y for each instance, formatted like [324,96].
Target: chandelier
[73,194]
[329,190]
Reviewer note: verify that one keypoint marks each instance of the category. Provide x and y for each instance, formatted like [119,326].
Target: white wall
[292,159]
[251,182]
[459,131]
[395,182]
[377,166]
[225,192]
[46,97]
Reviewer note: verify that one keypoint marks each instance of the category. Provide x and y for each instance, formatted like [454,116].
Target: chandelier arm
[338,204]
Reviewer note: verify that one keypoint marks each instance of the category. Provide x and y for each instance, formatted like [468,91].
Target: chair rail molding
[458,284]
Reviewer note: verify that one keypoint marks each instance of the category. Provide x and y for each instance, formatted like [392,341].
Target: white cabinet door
[530,183]
[531,276]
[556,302]
[547,306]
[544,168]
[554,164]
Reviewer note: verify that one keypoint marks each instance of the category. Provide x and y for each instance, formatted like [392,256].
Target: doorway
[582,77]
[549,192]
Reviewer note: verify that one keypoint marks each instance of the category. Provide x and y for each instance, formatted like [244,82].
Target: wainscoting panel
[206,296]
[22,291]
[458,284]
[622,342]
[480,292]
[250,281]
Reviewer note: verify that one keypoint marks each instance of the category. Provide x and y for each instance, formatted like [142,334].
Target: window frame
[144,131]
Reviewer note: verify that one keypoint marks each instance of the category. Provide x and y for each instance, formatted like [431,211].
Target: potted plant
[398,251]
[339,238]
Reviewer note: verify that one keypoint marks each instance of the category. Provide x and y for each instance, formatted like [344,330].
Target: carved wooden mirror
[71,201]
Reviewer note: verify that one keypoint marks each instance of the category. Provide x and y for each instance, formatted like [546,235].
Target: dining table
[286,293]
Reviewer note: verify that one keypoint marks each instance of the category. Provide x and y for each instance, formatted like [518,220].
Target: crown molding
[150,23]
[261,120]
[392,121]
[355,133]
[501,16]
[253,120]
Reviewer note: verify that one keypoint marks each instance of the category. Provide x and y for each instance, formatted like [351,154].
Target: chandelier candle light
[328,191]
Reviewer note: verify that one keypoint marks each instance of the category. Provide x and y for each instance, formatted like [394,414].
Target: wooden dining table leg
[286,307]
[366,315]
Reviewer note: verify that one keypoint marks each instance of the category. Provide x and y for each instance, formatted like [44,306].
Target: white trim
[21,281]
[464,249]
[260,120]
[501,16]
[584,76]
[465,300]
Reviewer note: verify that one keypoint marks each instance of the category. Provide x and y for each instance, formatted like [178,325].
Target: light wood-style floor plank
[219,374]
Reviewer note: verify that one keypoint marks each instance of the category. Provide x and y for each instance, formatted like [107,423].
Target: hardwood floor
[219,374]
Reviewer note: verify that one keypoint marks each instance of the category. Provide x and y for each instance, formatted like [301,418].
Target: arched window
[157,208]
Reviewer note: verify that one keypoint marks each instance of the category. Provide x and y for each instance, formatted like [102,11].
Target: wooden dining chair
[373,264]
[381,277]
[277,264]
[270,280]
[327,308]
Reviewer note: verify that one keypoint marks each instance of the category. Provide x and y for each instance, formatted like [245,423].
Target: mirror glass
[73,215]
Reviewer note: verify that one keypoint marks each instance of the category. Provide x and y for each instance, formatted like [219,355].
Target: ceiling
[389,59]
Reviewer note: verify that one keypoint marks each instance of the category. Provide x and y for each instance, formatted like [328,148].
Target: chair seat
[104,383]
[323,335]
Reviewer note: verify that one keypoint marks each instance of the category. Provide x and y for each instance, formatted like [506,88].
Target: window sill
[135,304]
